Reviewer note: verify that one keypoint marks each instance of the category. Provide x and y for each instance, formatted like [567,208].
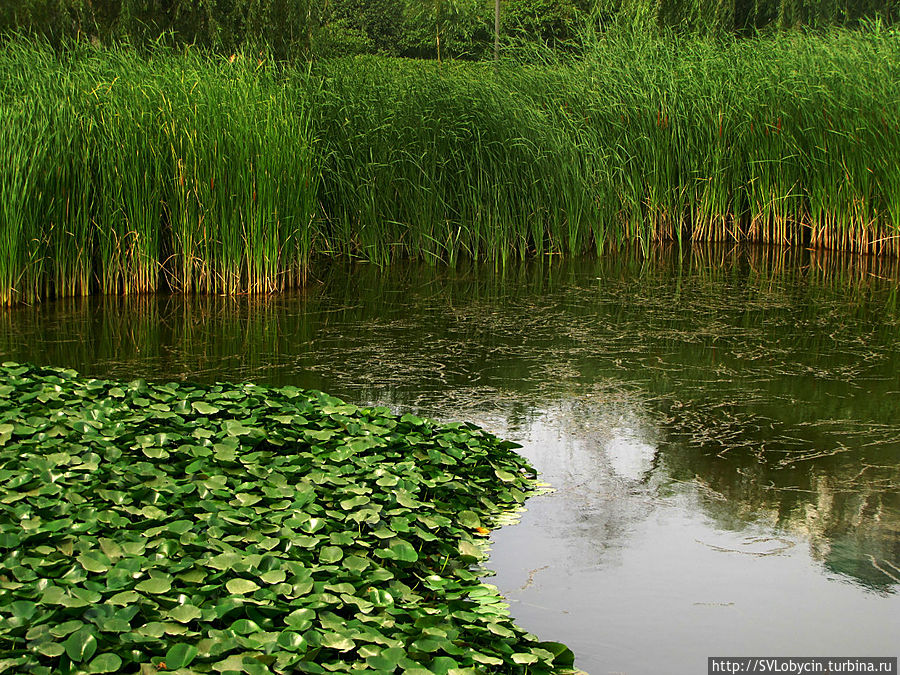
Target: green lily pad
[469,519]
[51,649]
[330,554]
[291,641]
[124,598]
[94,561]
[185,613]
[155,585]
[22,609]
[180,656]
[241,586]
[81,645]
[205,408]
[403,550]
[105,663]
[252,527]
[338,641]
[386,659]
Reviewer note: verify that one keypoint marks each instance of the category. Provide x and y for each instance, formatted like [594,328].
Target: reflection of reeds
[820,268]
[123,173]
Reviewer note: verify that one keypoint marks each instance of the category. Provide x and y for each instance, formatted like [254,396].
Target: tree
[442,15]
[552,22]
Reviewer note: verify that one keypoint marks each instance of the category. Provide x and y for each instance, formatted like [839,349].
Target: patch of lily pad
[243,529]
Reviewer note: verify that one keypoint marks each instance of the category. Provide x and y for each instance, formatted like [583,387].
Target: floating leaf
[469,551]
[109,498]
[273,576]
[338,641]
[22,609]
[562,656]
[94,561]
[245,627]
[156,585]
[486,659]
[505,476]
[81,645]
[224,561]
[51,649]
[502,631]
[105,663]
[241,586]
[205,408]
[233,664]
[380,597]
[355,563]
[330,554]
[124,598]
[386,659]
[180,655]
[403,550]
[185,613]
[469,519]
[300,619]
[291,641]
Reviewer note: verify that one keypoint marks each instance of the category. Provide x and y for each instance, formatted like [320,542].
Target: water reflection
[723,427]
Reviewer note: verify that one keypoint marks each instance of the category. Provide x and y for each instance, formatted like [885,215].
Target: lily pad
[180,656]
[105,663]
[81,645]
[241,586]
[238,528]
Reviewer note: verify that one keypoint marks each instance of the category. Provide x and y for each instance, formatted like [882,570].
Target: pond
[721,427]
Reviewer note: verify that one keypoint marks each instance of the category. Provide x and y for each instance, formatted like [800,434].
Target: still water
[722,427]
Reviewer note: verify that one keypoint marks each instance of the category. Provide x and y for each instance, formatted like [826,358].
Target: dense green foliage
[125,173]
[115,164]
[327,28]
[246,529]
[745,16]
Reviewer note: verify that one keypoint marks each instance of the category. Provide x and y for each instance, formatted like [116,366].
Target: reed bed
[123,172]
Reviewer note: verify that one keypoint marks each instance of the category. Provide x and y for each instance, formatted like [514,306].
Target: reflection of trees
[847,509]
[856,531]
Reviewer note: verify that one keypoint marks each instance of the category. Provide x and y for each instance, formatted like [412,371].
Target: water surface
[722,427]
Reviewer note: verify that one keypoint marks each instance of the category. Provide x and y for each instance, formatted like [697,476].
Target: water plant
[237,528]
[127,172]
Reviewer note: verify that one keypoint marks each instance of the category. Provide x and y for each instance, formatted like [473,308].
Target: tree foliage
[459,28]
[553,22]
[744,16]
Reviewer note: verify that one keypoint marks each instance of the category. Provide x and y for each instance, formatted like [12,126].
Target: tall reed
[125,173]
